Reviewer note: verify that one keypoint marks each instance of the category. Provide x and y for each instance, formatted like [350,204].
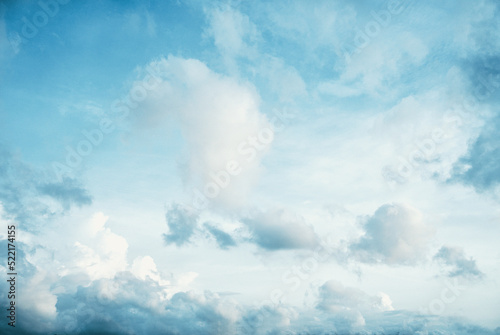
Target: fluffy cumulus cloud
[457,262]
[393,102]
[396,234]
[127,305]
[98,250]
[335,297]
[92,288]
[351,303]
[347,310]
[89,287]
[279,229]
[225,133]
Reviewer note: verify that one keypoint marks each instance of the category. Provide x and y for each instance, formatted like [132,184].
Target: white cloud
[395,234]
[334,297]
[279,229]
[100,254]
[375,68]
[278,72]
[145,267]
[428,133]
[324,24]
[351,304]
[232,31]
[236,36]
[225,133]
[90,258]
[85,273]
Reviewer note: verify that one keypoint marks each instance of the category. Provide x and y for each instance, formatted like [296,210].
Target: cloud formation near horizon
[325,167]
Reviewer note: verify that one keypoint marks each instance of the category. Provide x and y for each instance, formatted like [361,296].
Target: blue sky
[251,167]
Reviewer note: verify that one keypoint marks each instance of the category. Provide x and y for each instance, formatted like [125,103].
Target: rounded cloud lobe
[351,303]
[277,229]
[220,122]
[395,235]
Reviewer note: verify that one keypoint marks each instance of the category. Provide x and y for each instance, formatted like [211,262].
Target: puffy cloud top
[395,234]
[277,229]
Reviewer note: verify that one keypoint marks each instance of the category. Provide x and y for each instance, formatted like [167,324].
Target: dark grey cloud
[277,229]
[460,265]
[182,223]
[223,239]
[394,235]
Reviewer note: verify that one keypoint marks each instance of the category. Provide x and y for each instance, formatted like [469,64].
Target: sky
[250,167]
